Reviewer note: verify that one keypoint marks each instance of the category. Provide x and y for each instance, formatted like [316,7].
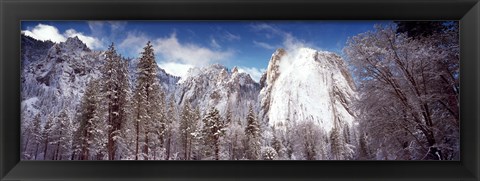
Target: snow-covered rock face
[307,85]
[58,77]
[216,86]
[74,44]
[33,50]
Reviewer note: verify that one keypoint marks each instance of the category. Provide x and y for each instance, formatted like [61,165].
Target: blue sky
[180,45]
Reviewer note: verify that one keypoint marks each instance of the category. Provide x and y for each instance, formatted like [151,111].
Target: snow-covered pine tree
[61,135]
[160,124]
[187,129]
[309,140]
[88,117]
[37,137]
[171,119]
[100,139]
[340,149]
[336,146]
[363,151]
[212,131]
[46,135]
[147,101]
[236,135]
[227,143]
[196,142]
[33,138]
[252,131]
[277,143]
[27,133]
[114,92]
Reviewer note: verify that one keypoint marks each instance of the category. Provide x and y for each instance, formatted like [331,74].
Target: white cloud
[263,45]
[96,27]
[289,41]
[133,44]
[174,51]
[214,43]
[173,56]
[176,69]
[116,26]
[255,73]
[46,32]
[231,37]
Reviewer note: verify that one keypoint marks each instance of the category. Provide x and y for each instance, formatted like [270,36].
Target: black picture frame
[13,11]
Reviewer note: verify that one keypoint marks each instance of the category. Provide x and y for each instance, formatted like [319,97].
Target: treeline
[115,122]
[408,80]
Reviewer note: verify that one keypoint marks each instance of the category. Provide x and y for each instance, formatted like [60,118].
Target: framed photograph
[247,90]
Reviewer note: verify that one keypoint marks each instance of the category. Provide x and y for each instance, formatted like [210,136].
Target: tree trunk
[84,154]
[36,151]
[168,145]
[189,149]
[145,148]
[137,136]
[58,150]
[185,146]
[26,143]
[110,130]
[217,150]
[45,149]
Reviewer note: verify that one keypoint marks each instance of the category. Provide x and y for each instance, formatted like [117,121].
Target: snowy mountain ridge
[215,86]
[300,85]
[57,80]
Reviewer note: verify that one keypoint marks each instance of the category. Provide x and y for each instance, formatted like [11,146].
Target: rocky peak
[74,43]
[223,75]
[273,69]
[234,70]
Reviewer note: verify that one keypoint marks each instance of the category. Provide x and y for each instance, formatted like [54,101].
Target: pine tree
[88,117]
[309,137]
[364,153]
[187,129]
[160,123]
[196,142]
[61,135]
[252,131]
[115,91]
[28,134]
[147,101]
[172,117]
[277,143]
[227,142]
[340,150]
[213,130]
[34,136]
[46,133]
